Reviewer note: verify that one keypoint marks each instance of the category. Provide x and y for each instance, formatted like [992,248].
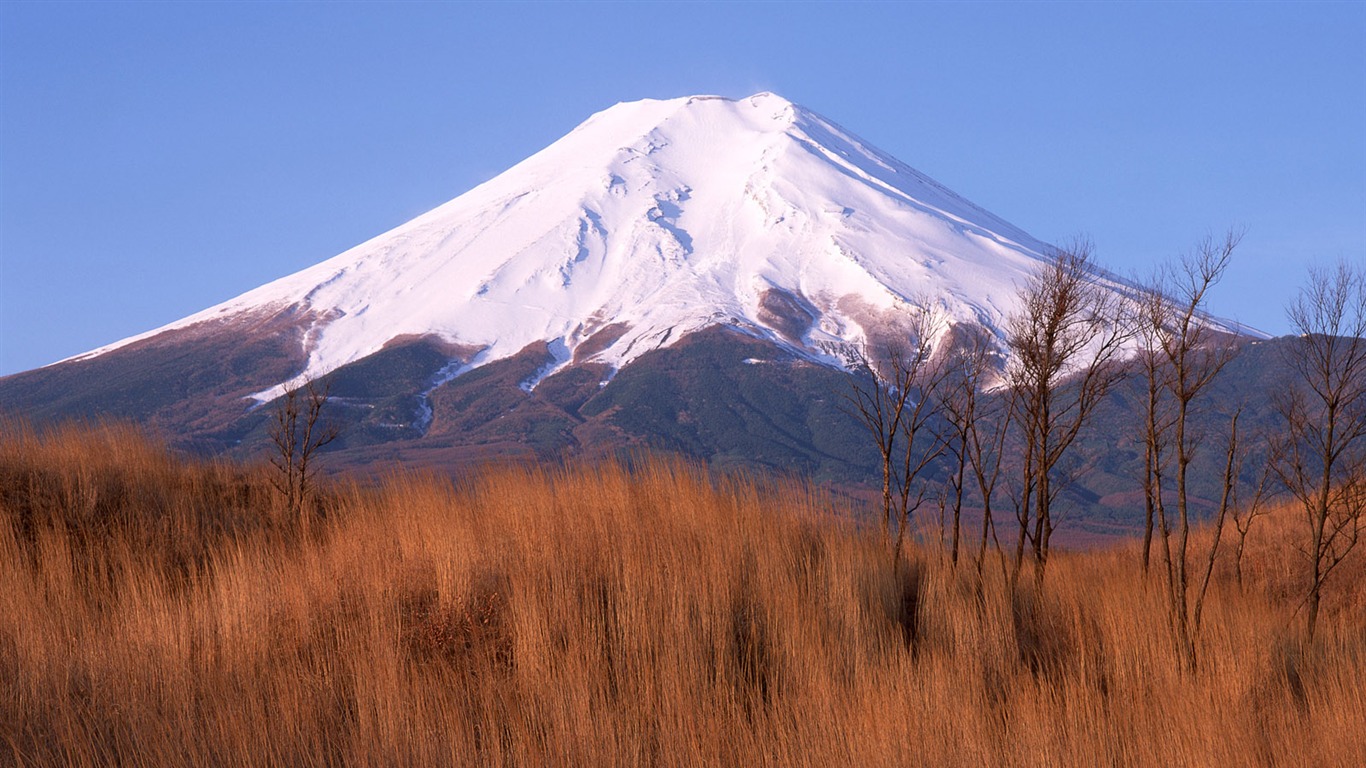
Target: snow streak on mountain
[651,220]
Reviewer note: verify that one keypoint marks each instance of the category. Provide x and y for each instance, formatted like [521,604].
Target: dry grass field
[155,611]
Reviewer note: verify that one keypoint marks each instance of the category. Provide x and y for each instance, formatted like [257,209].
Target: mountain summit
[650,221]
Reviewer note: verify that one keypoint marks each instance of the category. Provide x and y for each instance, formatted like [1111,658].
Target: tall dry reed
[155,612]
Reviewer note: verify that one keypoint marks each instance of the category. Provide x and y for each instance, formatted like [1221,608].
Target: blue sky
[158,158]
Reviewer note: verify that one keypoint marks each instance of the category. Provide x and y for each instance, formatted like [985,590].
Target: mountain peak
[763,100]
[625,124]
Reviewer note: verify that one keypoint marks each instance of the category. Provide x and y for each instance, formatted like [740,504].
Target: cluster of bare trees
[1181,356]
[961,425]
[896,401]
[1316,454]
[974,437]
[925,404]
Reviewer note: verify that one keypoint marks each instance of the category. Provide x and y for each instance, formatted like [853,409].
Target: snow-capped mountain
[670,275]
[648,222]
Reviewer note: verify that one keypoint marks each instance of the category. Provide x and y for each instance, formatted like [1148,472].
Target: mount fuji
[649,221]
[671,273]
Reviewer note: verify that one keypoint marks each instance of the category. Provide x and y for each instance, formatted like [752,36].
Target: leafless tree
[880,407]
[1183,354]
[958,404]
[1152,318]
[893,394]
[1065,341]
[297,433]
[977,426]
[1323,454]
[1245,511]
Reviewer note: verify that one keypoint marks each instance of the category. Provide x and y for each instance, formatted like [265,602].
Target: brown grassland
[157,611]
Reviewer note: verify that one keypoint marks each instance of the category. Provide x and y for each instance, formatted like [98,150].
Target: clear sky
[157,158]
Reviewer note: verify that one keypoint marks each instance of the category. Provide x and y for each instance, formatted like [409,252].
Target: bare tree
[880,407]
[297,433]
[893,394]
[1226,497]
[1152,320]
[958,405]
[1323,453]
[977,427]
[1184,354]
[1245,513]
[1065,340]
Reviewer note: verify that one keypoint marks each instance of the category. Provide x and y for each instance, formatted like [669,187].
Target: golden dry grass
[157,612]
